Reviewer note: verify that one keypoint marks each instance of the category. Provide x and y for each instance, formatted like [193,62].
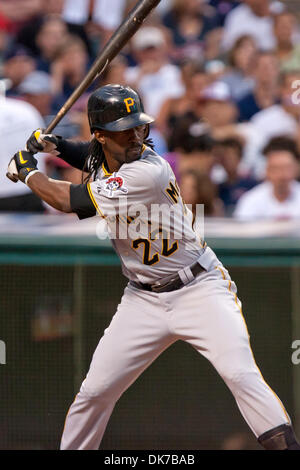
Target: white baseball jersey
[152,240]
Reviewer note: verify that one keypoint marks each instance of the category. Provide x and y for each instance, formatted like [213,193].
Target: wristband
[30,174]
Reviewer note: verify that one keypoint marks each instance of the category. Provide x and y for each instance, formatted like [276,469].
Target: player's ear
[99,136]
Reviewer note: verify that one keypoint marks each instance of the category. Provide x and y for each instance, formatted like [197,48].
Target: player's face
[124,146]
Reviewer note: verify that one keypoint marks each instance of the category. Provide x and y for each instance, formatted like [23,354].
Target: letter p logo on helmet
[129,102]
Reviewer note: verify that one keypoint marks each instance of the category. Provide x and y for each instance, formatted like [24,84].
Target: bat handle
[12,178]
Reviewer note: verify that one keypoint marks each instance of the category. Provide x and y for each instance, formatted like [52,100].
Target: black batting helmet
[116,108]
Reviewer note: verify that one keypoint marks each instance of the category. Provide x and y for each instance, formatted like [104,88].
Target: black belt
[169,284]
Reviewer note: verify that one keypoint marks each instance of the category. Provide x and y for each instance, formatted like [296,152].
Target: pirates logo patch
[112,185]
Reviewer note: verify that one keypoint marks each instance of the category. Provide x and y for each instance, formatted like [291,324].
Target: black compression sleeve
[74,153]
[81,202]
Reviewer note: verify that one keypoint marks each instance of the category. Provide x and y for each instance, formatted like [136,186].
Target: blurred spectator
[100,17]
[212,45]
[229,154]
[218,109]
[195,80]
[193,147]
[154,77]
[279,119]
[254,18]
[36,90]
[189,24]
[265,92]
[17,12]
[50,37]
[28,32]
[197,188]
[18,63]
[17,121]
[278,197]
[212,117]
[101,11]
[241,60]
[69,67]
[287,50]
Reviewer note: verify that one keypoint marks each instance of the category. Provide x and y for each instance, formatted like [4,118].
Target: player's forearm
[53,192]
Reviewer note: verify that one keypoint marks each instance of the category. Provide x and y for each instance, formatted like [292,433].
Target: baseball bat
[117,41]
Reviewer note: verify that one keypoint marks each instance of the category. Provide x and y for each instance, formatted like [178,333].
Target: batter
[177,289]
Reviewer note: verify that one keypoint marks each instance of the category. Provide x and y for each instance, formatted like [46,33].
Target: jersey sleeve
[81,201]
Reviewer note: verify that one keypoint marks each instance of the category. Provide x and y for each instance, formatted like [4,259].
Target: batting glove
[21,166]
[40,142]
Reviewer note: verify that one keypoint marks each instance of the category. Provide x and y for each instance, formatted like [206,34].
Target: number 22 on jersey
[166,249]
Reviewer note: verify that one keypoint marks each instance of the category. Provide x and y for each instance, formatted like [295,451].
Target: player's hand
[40,142]
[21,165]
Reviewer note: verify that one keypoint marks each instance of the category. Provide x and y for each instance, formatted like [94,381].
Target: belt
[171,283]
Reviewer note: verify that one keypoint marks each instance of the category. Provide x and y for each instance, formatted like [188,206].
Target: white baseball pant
[207,314]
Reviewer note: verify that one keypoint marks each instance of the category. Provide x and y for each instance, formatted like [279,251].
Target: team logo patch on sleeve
[112,186]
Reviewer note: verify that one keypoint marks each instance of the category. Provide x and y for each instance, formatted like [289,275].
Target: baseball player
[177,289]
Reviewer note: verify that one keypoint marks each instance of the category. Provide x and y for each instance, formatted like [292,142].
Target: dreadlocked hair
[149,143]
[93,161]
[96,157]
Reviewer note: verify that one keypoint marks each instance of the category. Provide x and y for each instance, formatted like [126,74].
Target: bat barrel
[125,31]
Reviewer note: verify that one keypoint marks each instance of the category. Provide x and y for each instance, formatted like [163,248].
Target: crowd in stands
[221,78]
